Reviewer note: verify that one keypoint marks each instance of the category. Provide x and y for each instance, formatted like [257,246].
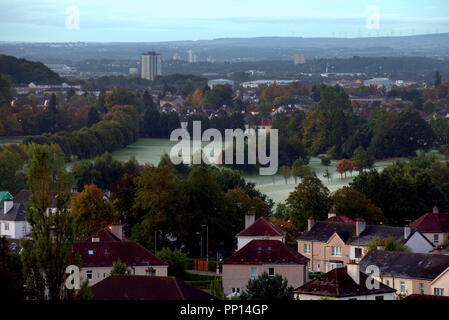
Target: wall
[441,237]
[237,276]
[100,273]
[387,296]
[419,244]
[441,282]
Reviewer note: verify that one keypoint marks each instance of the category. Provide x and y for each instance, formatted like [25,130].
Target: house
[330,244]
[261,229]
[12,220]
[410,273]
[434,226]
[265,124]
[24,198]
[100,251]
[345,284]
[259,256]
[133,287]
[174,101]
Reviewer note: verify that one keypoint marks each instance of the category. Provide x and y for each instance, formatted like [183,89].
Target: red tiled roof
[122,287]
[432,222]
[266,122]
[105,235]
[261,227]
[266,252]
[342,219]
[338,283]
[106,253]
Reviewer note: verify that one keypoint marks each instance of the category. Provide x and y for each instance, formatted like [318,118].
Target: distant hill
[24,71]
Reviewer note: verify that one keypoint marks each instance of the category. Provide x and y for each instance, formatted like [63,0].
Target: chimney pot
[117,230]
[435,209]
[407,232]
[250,217]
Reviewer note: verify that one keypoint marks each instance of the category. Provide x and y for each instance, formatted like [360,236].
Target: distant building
[379,83]
[299,58]
[151,65]
[191,57]
[176,56]
[213,83]
[133,71]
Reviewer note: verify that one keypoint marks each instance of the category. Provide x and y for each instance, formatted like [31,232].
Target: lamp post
[207,242]
[155,240]
[201,244]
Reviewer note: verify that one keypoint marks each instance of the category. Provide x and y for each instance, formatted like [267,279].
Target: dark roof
[16,213]
[266,252]
[338,283]
[126,287]
[261,227]
[23,197]
[106,253]
[406,264]
[323,230]
[432,222]
[379,232]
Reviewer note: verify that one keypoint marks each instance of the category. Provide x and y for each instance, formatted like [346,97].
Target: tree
[119,268]
[343,166]
[91,211]
[46,258]
[438,79]
[177,262]
[327,175]
[309,199]
[11,177]
[216,289]
[11,276]
[353,204]
[268,288]
[360,158]
[286,172]
[388,244]
[326,161]
[92,117]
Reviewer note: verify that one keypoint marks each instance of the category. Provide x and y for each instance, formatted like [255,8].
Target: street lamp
[155,239]
[207,241]
[201,244]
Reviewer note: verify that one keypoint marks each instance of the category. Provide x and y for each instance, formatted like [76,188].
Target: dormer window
[90,252]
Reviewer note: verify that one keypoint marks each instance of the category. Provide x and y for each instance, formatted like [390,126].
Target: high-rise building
[190,57]
[299,58]
[151,65]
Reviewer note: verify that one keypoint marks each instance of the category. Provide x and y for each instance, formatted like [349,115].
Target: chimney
[435,210]
[360,225]
[407,232]
[310,223]
[250,217]
[117,230]
[8,204]
[353,270]
[331,214]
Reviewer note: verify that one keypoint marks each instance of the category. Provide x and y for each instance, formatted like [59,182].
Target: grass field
[9,140]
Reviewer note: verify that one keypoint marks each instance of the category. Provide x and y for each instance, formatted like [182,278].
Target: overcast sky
[166,20]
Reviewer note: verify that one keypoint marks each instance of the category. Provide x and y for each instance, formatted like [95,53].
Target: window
[89,274]
[104,275]
[387,282]
[421,288]
[335,265]
[90,252]
[402,287]
[6,226]
[436,239]
[358,253]
[253,273]
[235,290]
[271,272]
[379,297]
[150,271]
[336,251]
[438,291]
[307,248]
[318,267]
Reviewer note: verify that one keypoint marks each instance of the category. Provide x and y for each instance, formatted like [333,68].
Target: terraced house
[410,273]
[330,244]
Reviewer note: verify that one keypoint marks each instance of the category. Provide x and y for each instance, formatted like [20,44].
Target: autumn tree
[91,211]
[286,172]
[353,204]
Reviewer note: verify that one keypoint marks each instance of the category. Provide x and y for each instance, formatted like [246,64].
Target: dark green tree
[268,288]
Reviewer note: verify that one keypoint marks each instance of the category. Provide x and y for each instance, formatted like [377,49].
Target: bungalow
[259,256]
[344,284]
[330,244]
[125,287]
[100,251]
[261,229]
[434,226]
[410,273]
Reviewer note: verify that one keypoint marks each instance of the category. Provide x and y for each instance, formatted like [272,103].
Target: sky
[170,20]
